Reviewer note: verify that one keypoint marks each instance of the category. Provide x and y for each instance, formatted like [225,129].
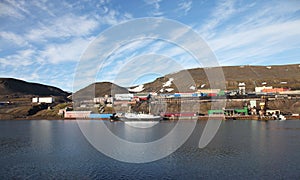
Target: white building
[124,97]
[207,91]
[242,88]
[47,100]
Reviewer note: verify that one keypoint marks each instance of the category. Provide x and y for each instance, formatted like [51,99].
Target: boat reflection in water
[141,124]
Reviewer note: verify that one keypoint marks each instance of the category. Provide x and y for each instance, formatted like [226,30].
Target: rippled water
[241,149]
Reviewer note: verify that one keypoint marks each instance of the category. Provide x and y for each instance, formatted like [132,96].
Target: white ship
[137,117]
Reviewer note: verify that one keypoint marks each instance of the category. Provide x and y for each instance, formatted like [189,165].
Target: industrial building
[76,114]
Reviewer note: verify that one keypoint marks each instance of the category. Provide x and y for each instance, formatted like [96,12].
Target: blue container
[176,95]
[96,116]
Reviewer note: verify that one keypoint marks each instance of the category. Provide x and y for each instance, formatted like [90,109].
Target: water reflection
[57,149]
[41,135]
[132,133]
[141,124]
[101,136]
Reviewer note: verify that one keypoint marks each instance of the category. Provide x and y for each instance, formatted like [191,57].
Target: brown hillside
[98,89]
[10,86]
[252,76]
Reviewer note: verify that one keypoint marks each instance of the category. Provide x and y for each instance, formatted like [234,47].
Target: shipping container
[100,116]
[212,94]
[77,114]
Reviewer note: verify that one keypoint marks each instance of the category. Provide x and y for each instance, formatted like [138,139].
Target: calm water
[241,149]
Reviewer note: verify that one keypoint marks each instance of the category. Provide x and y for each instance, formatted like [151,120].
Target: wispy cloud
[50,36]
[222,12]
[67,26]
[268,35]
[259,31]
[21,58]
[13,38]
[8,10]
[44,7]
[185,6]
[12,8]
[155,10]
[259,42]
[43,40]
[70,51]
[19,5]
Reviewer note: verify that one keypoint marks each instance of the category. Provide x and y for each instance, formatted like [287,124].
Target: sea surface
[43,149]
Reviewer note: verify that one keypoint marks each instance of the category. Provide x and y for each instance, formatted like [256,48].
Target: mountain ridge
[12,86]
[287,76]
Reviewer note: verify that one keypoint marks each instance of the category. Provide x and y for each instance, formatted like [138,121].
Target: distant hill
[287,76]
[99,89]
[11,86]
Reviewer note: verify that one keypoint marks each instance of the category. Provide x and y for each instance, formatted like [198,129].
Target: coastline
[199,118]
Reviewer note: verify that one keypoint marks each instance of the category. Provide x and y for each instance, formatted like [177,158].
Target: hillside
[98,89]
[287,76]
[252,76]
[10,86]
[19,93]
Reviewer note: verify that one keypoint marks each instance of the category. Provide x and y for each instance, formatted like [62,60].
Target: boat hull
[139,117]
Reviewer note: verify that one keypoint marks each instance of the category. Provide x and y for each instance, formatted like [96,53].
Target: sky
[43,41]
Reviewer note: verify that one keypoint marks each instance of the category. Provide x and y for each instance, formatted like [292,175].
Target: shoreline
[199,118]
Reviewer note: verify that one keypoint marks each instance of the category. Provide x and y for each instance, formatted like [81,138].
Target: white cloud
[54,35]
[67,26]
[13,38]
[70,51]
[259,42]
[223,11]
[10,11]
[43,6]
[252,33]
[185,6]
[258,15]
[269,34]
[113,17]
[19,5]
[12,8]
[21,58]
[155,4]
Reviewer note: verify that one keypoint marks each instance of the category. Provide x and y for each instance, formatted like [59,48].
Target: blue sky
[42,41]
